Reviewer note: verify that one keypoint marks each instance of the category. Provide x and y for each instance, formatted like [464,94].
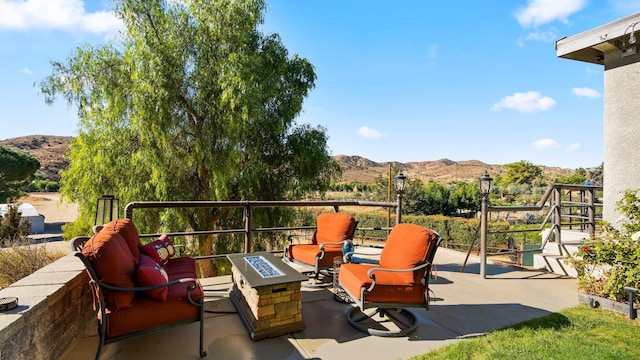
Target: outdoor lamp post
[400,185]
[485,188]
[106,209]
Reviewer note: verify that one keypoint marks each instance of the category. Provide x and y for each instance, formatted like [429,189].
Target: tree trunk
[207,267]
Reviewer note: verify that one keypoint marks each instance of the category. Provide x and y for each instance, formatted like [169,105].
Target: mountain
[444,171]
[51,152]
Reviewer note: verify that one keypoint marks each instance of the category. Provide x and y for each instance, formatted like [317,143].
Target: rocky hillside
[444,171]
[51,152]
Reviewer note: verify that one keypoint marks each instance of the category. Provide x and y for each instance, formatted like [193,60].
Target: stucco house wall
[609,45]
[621,132]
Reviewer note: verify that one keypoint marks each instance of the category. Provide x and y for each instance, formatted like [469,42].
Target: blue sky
[401,80]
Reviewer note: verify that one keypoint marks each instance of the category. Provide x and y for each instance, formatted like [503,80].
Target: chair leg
[404,319]
[100,347]
[203,353]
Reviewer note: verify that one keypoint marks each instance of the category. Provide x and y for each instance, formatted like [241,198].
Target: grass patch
[575,333]
[17,262]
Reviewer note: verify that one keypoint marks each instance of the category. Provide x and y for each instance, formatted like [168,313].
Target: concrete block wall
[54,309]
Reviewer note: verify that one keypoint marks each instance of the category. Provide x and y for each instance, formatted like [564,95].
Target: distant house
[615,47]
[29,213]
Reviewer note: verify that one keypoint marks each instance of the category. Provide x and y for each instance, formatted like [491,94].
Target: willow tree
[191,102]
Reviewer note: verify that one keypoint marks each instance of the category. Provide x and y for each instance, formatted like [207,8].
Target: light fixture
[632,34]
[106,209]
[400,183]
[485,183]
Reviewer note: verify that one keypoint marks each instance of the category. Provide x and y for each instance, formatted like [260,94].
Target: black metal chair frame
[405,320]
[76,246]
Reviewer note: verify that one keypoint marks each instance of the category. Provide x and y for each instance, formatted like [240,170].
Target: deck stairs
[554,255]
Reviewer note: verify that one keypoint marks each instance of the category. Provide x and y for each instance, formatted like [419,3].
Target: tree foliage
[521,172]
[578,177]
[192,102]
[16,168]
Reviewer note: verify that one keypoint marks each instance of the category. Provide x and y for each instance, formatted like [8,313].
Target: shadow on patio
[464,306]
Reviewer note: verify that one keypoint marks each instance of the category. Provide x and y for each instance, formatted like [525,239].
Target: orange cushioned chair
[332,230]
[400,280]
[138,289]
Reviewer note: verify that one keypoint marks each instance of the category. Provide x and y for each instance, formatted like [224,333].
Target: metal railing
[248,207]
[560,213]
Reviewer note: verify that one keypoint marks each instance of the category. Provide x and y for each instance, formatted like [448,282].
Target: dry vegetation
[17,262]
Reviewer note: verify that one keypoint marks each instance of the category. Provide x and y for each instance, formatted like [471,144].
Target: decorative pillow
[151,273]
[160,250]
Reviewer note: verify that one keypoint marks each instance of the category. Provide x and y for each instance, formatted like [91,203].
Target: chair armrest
[189,288]
[290,237]
[78,242]
[321,246]
[371,271]
[372,276]
[146,288]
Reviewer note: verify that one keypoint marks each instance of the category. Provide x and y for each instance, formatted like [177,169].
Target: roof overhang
[590,46]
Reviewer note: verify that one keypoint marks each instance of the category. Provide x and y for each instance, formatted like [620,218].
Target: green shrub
[454,230]
[611,262]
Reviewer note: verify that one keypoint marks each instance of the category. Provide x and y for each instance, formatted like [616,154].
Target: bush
[611,262]
[13,227]
[19,261]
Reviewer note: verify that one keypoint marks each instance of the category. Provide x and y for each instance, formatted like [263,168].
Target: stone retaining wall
[54,309]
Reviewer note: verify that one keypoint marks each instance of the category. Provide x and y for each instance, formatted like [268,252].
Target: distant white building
[29,213]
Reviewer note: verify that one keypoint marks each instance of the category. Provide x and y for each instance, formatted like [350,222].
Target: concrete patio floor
[464,306]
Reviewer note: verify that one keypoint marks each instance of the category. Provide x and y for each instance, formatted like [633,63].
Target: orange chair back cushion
[334,227]
[115,265]
[129,232]
[407,246]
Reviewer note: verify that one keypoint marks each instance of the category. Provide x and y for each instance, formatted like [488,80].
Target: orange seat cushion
[390,286]
[307,253]
[148,313]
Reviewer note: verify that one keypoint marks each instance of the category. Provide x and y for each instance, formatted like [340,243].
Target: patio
[464,305]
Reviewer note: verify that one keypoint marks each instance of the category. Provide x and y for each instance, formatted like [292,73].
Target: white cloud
[539,12]
[545,36]
[26,71]
[586,92]
[545,144]
[65,15]
[369,133]
[574,147]
[529,101]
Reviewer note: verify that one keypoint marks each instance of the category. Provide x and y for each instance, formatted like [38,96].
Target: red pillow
[151,273]
[160,250]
